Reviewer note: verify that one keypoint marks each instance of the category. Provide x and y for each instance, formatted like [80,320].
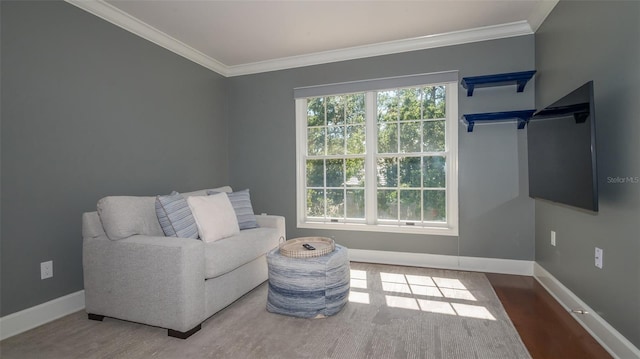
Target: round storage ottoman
[308,287]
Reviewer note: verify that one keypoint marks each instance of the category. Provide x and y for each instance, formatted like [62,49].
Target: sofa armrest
[271,221]
[152,280]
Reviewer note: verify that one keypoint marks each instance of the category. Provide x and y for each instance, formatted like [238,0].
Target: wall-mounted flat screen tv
[562,151]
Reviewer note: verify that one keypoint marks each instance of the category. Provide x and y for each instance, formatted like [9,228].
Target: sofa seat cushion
[227,254]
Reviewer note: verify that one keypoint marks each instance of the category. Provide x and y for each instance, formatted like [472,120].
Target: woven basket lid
[293,248]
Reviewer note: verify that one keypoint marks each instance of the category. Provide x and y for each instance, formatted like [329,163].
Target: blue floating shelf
[522,116]
[514,78]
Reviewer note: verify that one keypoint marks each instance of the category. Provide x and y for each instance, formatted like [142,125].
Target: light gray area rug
[393,312]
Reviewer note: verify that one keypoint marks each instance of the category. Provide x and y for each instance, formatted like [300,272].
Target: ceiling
[240,37]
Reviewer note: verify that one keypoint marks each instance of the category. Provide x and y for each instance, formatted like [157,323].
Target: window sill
[385,228]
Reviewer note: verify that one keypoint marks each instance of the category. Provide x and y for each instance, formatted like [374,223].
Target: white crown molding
[537,17]
[40,314]
[120,18]
[610,339]
[474,264]
[386,48]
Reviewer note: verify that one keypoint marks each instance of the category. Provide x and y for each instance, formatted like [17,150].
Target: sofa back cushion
[203,192]
[91,225]
[125,216]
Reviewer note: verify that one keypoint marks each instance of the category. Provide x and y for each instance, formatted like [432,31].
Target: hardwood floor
[546,329]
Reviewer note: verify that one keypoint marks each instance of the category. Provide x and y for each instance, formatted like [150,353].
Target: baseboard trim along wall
[475,264]
[614,342]
[30,318]
[610,339]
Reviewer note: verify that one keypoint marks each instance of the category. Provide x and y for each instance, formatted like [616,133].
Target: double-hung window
[379,155]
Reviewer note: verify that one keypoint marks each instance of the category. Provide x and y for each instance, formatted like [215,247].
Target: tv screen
[562,151]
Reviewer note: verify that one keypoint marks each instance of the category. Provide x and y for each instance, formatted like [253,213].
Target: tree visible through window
[407,154]
[335,156]
[411,154]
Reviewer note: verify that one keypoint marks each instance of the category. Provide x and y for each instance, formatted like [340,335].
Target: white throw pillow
[214,216]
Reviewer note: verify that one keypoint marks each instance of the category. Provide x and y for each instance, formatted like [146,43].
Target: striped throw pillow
[241,202]
[175,216]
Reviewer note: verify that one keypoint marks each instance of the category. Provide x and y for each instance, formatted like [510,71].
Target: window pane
[434,137]
[315,111]
[411,157]
[387,138]
[387,106]
[387,204]
[315,202]
[335,110]
[409,137]
[355,203]
[335,173]
[315,173]
[315,141]
[410,205]
[355,139]
[409,104]
[434,103]
[435,205]
[335,140]
[434,171]
[388,172]
[410,172]
[355,172]
[355,108]
[335,203]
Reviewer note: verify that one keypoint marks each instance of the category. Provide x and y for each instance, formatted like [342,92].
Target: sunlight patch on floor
[359,297]
[401,302]
[472,311]
[444,294]
[434,306]
[396,287]
[358,281]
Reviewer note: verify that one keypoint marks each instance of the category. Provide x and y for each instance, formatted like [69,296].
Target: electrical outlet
[553,238]
[599,254]
[46,270]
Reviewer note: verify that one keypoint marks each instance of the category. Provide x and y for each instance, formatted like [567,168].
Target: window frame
[371,222]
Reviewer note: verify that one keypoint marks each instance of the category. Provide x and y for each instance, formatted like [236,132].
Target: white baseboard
[30,318]
[610,339]
[490,265]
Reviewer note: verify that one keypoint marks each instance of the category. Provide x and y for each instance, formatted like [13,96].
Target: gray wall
[496,215]
[90,110]
[599,41]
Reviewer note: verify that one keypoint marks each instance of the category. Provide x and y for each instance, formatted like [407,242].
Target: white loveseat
[132,271]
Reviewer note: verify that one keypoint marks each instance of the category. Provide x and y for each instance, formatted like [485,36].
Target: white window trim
[450,228]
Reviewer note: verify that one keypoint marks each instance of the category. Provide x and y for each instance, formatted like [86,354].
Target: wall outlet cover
[46,270]
[599,254]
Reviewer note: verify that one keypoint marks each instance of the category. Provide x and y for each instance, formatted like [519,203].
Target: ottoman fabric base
[308,287]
